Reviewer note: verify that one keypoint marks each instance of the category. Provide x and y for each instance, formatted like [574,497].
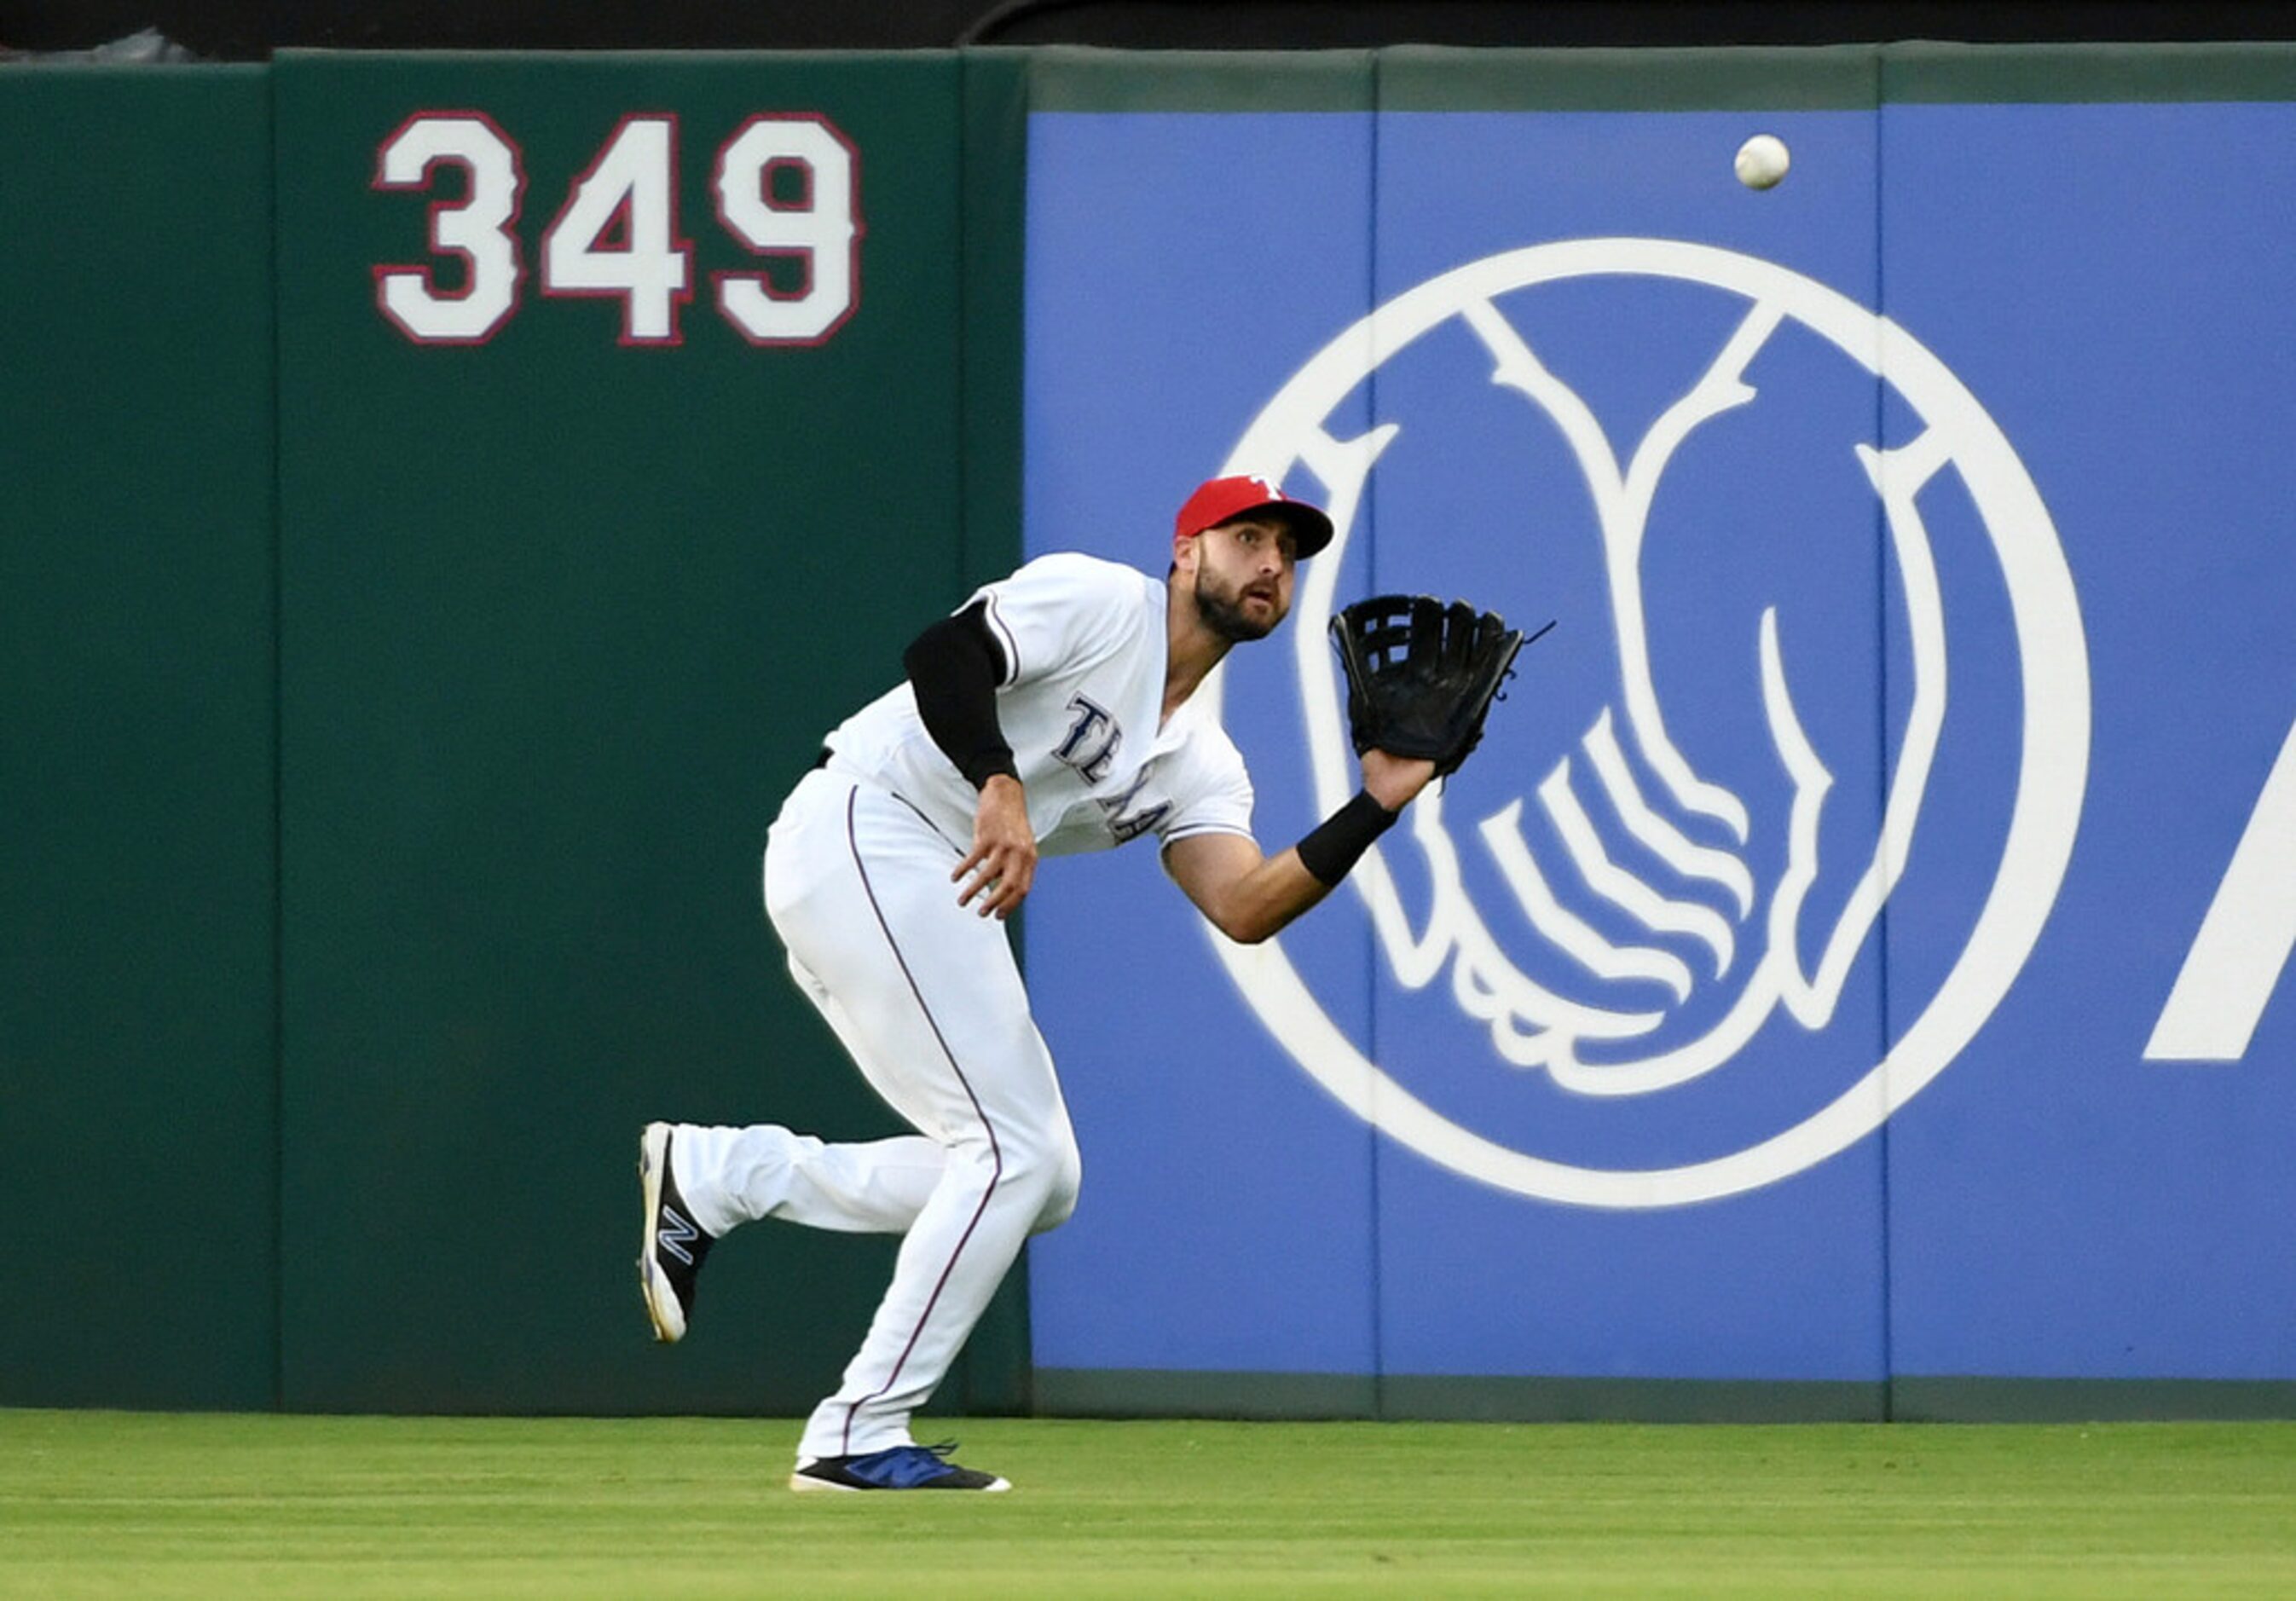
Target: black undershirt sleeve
[956,666]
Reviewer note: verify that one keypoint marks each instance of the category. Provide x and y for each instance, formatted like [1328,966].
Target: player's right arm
[955,667]
[1002,865]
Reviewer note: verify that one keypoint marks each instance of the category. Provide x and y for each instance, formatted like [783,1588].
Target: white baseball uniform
[924,994]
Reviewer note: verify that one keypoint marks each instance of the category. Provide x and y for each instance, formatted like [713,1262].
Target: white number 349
[786,188]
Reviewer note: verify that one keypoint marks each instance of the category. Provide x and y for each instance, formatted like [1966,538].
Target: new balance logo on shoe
[675,1233]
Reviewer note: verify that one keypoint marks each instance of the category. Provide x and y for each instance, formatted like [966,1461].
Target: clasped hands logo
[1646,899]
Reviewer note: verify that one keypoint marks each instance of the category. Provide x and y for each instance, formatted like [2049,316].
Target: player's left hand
[1003,866]
[1421,675]
[1396,781]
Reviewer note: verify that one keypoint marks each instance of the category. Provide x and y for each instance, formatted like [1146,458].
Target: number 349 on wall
[787,188]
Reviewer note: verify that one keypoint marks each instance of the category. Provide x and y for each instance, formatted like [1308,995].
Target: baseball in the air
[1762,162]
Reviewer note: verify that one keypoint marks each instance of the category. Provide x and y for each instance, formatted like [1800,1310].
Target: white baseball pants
[925,996]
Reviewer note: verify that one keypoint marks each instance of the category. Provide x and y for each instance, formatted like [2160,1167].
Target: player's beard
[1224,615]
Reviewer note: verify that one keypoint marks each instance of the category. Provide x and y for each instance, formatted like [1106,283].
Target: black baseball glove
[1421,675]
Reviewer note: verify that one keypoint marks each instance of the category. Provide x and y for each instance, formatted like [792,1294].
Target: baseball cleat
[901,1467]
[675,1245]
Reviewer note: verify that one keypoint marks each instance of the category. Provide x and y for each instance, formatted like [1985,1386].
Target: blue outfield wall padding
[1782,995]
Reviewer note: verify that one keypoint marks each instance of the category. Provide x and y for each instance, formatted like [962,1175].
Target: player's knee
[1061,1198]
[1048,1169]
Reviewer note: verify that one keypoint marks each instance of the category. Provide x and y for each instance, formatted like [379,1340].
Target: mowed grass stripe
[110,1503]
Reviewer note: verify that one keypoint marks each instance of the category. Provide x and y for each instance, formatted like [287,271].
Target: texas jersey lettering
[1083,642]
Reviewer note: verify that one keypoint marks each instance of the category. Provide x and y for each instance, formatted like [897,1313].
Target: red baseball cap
[1224,499]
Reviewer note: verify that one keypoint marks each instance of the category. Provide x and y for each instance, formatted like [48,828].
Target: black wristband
[1337,843]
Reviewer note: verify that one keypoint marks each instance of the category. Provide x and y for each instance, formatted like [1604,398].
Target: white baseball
[1762,162]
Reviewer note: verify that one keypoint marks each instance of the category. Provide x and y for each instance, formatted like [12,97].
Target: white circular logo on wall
[1754,942]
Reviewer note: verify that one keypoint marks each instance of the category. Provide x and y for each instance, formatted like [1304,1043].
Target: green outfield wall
[393,724]
[139,1052]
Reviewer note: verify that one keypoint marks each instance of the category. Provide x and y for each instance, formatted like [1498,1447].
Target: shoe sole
[806,1485]
[662,1310]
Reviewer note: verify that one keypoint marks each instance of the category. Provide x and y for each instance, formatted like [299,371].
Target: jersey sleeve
[1058,610]
[1210,788]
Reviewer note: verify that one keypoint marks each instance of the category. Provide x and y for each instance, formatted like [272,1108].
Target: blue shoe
[902,1468]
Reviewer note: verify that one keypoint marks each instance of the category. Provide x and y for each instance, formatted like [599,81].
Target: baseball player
[1053,712]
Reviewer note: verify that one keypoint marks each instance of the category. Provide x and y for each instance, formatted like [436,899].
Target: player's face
[1244,571]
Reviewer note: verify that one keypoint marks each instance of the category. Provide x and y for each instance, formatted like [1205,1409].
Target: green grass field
[110,1504]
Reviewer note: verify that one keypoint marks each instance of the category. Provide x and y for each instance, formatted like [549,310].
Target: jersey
[1081,704]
